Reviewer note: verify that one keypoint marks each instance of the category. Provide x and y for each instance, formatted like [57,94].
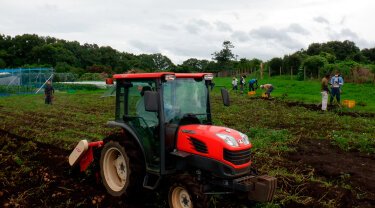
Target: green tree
[330,58]
[224,56]
[293,61]
[369,54]
[2,64]
[192,65]
[275,64]
[314,49]
[161,63]
[62,67]
[313,63]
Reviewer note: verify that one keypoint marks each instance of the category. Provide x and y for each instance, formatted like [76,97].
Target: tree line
[31,50]
[321,58]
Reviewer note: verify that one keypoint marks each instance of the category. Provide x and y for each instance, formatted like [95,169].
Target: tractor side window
[136,104]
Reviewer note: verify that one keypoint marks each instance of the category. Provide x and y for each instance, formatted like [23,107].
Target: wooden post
[269,72]
[291,73]
[304,73]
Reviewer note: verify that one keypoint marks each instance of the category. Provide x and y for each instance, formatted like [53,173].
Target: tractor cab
[155,105]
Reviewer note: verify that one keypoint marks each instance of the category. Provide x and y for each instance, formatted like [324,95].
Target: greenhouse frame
[24,81]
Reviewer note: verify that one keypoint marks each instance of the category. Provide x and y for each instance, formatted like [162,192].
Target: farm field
[309,91]
[320,159]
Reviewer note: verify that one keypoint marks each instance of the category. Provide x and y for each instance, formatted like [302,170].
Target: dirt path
[352,168]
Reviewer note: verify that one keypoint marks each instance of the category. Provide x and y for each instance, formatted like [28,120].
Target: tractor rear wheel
[121,167]
[186,192]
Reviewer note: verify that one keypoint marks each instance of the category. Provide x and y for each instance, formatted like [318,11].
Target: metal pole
[44,83]
[20,83]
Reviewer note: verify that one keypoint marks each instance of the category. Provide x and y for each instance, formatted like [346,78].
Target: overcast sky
[194,28]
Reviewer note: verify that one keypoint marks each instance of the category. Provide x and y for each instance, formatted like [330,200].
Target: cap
[261,86]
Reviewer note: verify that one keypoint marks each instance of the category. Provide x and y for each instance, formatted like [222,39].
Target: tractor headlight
[208,77]
[170,77]
[245,138]
[231,141]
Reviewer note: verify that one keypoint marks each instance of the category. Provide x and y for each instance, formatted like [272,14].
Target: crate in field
[348,103]
[251,93]
[264,95]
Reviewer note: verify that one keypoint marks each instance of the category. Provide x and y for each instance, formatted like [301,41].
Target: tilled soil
[38,175]
[353,168]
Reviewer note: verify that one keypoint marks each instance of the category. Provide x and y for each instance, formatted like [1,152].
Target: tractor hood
[210,134]
[219,143]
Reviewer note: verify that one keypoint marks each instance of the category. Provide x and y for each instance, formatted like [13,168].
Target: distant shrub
[66,87]
[93,76]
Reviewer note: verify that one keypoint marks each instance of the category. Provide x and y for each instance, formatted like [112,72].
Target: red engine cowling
[204,140]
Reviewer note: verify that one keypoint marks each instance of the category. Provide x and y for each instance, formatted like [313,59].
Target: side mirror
[225,96]
[151,101]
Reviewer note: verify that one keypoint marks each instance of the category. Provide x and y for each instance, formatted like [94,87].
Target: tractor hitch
[83,154]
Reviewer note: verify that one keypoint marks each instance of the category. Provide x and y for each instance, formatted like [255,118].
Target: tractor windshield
[186,101]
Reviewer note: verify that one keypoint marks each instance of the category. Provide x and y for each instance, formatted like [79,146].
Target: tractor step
[151,181]
[180,153]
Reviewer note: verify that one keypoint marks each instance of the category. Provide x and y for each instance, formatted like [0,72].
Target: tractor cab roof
[158,75]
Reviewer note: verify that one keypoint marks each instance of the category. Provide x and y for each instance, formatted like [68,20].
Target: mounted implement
[165,131]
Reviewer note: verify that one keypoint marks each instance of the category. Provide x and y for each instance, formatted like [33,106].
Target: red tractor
[166,131]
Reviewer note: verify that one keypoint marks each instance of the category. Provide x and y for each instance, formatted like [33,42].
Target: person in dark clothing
[336,85]
[211,84]
[48,92]
[251,84]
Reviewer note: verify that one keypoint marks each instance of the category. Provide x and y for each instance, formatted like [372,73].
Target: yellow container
[264,95]
[251,93]
[348,103]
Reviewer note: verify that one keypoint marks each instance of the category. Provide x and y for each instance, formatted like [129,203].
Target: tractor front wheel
[186,192]
[114,168]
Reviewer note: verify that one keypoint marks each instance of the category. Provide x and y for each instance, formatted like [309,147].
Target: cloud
[275,36]
[348,33]
[223,27]
[144,47]
[168,27]
[240,36]
[321,19]
[195,26]
[296,28]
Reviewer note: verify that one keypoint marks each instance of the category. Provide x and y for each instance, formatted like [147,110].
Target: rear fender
[129,130]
